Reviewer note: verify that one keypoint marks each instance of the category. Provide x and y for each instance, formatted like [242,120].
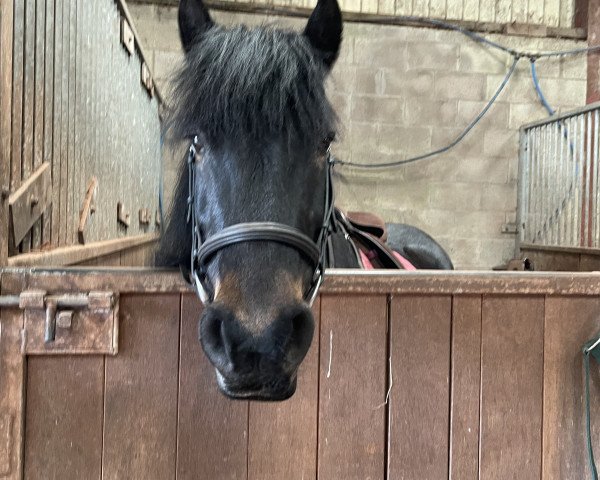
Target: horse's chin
[262,394]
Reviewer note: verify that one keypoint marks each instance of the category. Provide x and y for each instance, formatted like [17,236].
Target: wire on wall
[517,56]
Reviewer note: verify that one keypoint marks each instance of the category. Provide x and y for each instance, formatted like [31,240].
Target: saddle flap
[369,223]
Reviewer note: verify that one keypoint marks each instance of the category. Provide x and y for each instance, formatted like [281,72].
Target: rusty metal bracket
[122,215]
[87,209]
[127,37]
[144,215]
[146,78]
[67,323]
[30,200]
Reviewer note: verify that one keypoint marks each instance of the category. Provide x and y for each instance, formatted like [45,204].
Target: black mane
[246,86]
[251,84]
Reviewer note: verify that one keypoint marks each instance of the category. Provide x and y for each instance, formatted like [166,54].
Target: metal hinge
[81,323]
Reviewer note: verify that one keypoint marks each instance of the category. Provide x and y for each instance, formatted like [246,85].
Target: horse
[252,213]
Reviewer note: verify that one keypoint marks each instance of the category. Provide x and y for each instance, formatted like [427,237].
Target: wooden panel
[63,436]
[112,260]
[589,263]
[17,99]
[276,429]
[570,322]
[48,108]
[12,393]
[212,430]
[511,387]
[38,114]
[465,381]
[551,12]
[64,122]
[28,102]
[70,219]
[352,387]
[503,11]
[56,125]
[140,411]
[420,352]
[6,50]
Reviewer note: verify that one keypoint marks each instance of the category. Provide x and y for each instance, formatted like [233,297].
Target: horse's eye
[328,140]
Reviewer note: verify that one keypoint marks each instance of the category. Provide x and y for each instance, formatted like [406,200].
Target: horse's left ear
[324,30]
[194,19]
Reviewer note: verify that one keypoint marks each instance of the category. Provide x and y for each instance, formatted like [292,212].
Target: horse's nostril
[301,324]
[216,337]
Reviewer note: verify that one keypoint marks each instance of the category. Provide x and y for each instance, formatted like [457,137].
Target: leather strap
[259,231]
[590,348]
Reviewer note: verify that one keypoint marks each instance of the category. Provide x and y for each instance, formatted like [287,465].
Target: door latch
[69,323]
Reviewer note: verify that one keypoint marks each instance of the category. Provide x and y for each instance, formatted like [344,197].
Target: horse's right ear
[324,30]
[194,19]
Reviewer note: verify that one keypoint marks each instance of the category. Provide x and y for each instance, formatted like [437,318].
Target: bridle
[203,250]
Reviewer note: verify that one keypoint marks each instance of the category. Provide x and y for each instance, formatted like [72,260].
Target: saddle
[367,233]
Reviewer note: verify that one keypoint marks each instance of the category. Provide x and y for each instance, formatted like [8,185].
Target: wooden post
[6,48]
[12,379]
[593,36]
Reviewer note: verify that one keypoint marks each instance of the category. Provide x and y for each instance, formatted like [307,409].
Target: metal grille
[558,180]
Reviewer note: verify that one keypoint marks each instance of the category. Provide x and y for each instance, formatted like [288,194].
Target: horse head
[254,101]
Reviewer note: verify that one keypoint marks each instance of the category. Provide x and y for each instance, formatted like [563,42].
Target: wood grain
[64,122]
[465,378]
[420,352]
[212,434]
[64,418]
[12,377]
[128,280]
[276,429]
[17,100]
[48,108]
[57,122]
[6,78]
[28,102]
[352,387]
[140,410]
[570,322]
[38,113]
[511,387]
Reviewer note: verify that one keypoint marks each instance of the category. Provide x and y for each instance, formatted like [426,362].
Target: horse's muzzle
[275,391]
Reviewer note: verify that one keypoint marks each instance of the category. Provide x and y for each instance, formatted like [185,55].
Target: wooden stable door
[404,380]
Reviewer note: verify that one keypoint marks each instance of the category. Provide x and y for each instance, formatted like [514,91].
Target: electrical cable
[455,142]
[516,54]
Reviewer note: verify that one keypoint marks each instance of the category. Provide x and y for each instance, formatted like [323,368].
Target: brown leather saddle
[367,233]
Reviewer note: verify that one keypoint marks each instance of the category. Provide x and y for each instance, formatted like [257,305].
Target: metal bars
[558,180]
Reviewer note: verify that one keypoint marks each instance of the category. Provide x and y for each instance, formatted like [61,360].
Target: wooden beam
[6,49]
[79,253]
[12,379]
[593,26]
[131,280]
[374,18]
[581,14]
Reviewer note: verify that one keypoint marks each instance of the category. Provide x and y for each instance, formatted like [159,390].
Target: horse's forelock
[252,83]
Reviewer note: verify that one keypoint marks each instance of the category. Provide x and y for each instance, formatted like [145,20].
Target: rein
[203,251]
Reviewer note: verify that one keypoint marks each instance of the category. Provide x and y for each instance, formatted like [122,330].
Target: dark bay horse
[258,182]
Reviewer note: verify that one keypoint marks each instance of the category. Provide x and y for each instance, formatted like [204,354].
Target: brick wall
[401,91]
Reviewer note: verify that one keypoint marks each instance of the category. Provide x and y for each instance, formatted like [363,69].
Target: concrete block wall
[402,91]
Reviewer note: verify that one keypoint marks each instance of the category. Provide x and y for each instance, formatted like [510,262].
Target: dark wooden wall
[71,95]
[561,259]
[482,383]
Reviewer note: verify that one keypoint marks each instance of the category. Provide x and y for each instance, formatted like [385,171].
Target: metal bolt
[64,319]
